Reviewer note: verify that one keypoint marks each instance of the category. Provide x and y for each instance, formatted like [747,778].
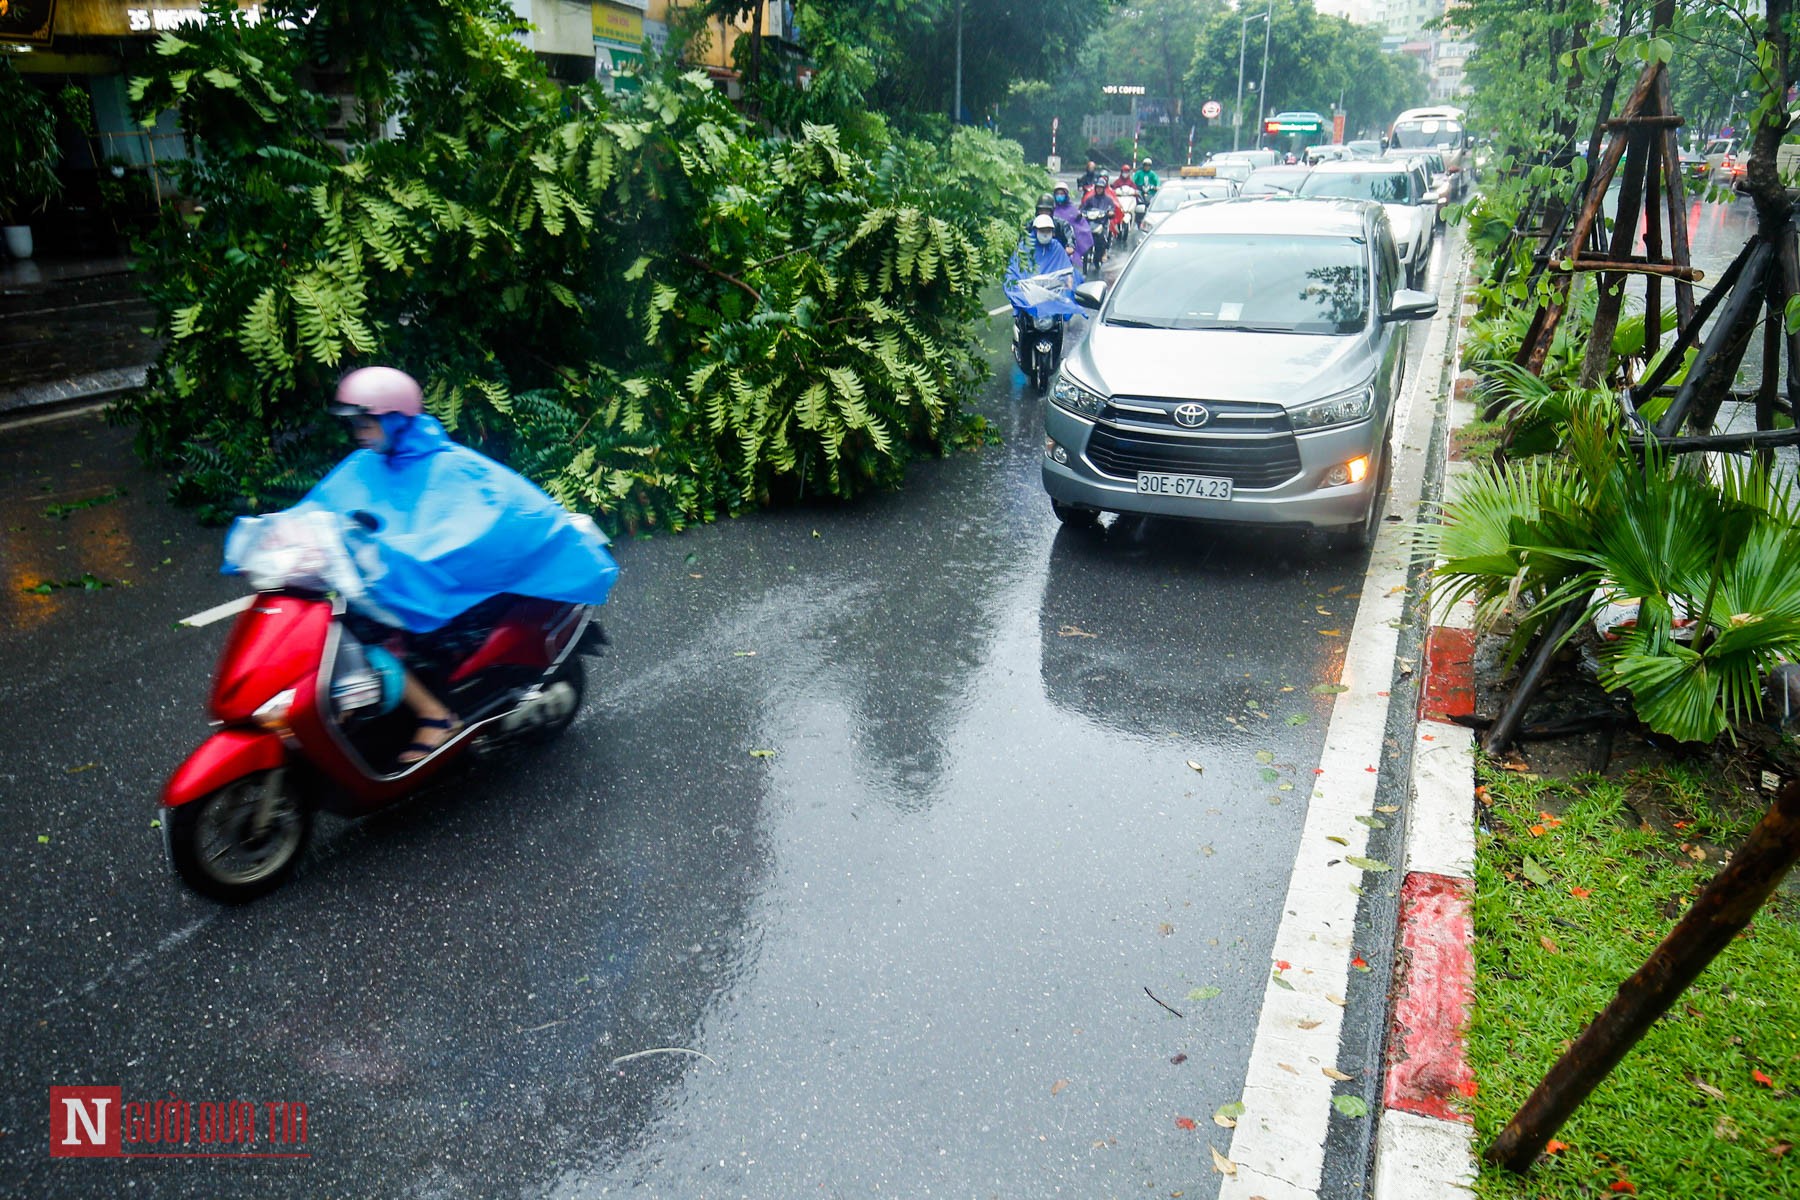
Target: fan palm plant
[1596,522]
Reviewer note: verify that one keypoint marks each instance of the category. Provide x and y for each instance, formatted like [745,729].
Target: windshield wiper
[1250,328]
[1129,323]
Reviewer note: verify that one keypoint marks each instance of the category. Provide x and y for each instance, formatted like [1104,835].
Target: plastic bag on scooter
[309,549]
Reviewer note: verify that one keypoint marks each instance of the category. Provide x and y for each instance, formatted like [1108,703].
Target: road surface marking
[1279,1143]
[1004,308]
[218,612]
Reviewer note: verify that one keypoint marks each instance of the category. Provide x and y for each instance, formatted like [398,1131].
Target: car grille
[1250,444]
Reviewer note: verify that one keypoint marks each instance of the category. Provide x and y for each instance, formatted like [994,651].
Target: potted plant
[28,156]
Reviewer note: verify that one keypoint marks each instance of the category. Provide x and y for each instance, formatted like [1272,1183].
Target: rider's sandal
[418,751]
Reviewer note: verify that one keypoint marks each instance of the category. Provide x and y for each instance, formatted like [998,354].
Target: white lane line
[217,612]
[1004,308]
[1279,1143]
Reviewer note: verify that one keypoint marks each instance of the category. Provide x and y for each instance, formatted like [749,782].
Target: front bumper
[1298,501]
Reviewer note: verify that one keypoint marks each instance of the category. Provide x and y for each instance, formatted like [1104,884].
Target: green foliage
[655,314]
[27,146]
[1593,522]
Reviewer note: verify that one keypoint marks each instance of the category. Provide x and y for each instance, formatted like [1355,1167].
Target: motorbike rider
[1060,229]
[1123,178]
[1041,254]
[1146,180]
[1099,194]
[448,525]
[1084,183]
[1068,211]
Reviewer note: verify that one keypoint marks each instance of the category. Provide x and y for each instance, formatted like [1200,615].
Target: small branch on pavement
[663,1050]
[1152,995]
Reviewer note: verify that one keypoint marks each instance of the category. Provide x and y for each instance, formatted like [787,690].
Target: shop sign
[615,24]
[99,18]
[27,21]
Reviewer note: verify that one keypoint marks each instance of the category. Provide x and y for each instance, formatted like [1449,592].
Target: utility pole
[1262,91]
[956,111]
[1237,113]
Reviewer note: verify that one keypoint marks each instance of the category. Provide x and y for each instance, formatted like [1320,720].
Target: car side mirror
[1409,305]
[1089,295]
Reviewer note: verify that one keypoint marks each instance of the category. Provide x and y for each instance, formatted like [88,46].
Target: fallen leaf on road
[1203,993]
[1221,1164]
[1371,822]
[1185,1123]
[1265,756]
[1307,1024]
[1580,893]
[1279,982]
[1537,831]
[1387,808]
[1228,1114]
[1289,1068]
[1165,929]
[81,768]
[1337,1000]
[1333,1073]
[1368,864]
[1075,631]
[1624,1186]
[1178,1059]
[1329,689]
[1761,1078]
[1351,1106]
[1359,963]
[1196,766]
[1546,943]
[1555,1147]
[1706,1087]
[1534,871]
[1332,837]
[743,654]
[1779,1149]
[1057,1087]
[1331,633]
[1299,719]
[762,754]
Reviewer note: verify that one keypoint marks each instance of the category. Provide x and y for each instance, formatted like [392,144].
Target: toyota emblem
[1191,416]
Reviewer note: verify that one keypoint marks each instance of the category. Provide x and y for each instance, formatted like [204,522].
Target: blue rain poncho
[1041,280]
[452,528]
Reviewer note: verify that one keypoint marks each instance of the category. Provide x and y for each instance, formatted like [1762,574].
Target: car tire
[1073,517]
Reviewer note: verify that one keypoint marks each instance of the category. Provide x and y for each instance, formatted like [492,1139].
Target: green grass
[1547,961]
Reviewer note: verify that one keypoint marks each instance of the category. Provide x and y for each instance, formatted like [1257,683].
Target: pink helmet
[377,391]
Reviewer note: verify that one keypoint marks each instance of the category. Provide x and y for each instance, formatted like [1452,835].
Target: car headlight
[1344,408]
[1077,399]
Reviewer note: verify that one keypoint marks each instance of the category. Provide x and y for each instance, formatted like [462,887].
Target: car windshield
[1417,135]
[1273,183]
[1389,187]
[1275,283]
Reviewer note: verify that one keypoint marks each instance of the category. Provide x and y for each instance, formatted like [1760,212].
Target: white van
[1256,158]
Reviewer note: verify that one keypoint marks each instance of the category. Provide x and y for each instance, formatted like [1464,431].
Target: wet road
[906,953]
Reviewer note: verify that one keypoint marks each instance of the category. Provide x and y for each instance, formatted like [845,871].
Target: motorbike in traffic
[1099,212]
[306,707]
[1042,306]
[1131,202]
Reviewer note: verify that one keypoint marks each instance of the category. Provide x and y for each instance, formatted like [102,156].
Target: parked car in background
[1439,181]
[1243,369]
[1179,193]
[1694,166]
[1362,149]
[1725,160]
[1274,181]
[1399,187]
[1230,166]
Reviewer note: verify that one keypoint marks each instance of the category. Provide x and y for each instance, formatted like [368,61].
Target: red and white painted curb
[1424,1143]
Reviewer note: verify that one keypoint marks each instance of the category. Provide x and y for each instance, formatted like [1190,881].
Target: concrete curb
[61,392]
[1425,1142]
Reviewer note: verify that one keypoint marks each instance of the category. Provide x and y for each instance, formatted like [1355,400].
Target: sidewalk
[71,330]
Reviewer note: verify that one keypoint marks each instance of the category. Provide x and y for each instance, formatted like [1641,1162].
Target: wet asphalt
[916,950]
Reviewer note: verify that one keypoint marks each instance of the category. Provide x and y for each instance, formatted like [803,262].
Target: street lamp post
[1262,91]
[1237,113]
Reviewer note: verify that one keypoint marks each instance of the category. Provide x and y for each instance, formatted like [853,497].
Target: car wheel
[1074,518]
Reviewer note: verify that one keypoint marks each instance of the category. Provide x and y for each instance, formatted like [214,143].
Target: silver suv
[1402,189]
[1243,369]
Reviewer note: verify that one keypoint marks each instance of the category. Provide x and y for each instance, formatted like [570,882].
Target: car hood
[1218,364]
[1405,220]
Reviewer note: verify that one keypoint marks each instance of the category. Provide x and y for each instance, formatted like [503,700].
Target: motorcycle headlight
[1044,323]
[1344,408]
[1077,399]
[273,714]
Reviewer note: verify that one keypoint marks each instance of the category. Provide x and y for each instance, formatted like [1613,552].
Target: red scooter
[300,698]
